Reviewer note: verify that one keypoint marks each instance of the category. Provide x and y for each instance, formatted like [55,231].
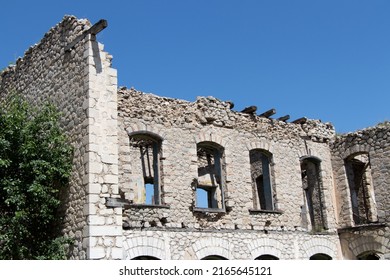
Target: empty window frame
[262,187]
[313,193]
[210,183]
[358,169]
[145,151]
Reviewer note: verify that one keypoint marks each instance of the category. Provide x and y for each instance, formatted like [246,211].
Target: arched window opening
[267,257]
[214,257]
[358,169]
[145,180]
[368,256]
[210,183]
[144,258]
[263,194]
[320,257]
[313,194]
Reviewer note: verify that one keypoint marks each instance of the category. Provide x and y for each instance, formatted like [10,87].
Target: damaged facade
[161,178]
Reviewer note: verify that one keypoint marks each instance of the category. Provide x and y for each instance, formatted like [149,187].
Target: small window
[313,194]
[263,194]
[145,181]
[358,169]
[210,183]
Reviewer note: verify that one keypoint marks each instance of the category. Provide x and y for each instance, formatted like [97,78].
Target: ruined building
[161,178]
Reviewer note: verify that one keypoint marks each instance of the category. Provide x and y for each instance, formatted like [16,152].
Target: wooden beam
[97,27]
[231,104]
[249,110]
[268,113]
[300,121]
[284,118]
[94,29]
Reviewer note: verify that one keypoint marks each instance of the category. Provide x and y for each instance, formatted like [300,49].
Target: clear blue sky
[327,60]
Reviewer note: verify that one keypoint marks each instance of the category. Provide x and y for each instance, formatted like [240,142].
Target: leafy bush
[35,164]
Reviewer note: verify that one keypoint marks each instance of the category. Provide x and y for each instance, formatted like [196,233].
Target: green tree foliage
[35,164]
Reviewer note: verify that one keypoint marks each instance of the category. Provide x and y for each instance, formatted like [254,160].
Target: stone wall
[45,73]
[373,235]
[82,84]
[182,244]
[182,125]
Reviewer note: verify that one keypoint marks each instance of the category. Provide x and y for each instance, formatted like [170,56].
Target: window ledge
[262,211]
[320,232]
[208,210]
[371,226]
[148,206]
[124,203]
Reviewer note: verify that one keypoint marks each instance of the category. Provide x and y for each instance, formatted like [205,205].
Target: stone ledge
[153,206]
[372,226]
[131,230]
[261,211]
[208,210]
[128,204]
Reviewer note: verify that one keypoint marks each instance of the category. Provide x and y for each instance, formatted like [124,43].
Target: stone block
[111,179]
[93,198]
[96,220]
[96,253]
[94,188]
[94,167]
[110,159]
[119,242]
[109,241]
[117,253]
[105,230]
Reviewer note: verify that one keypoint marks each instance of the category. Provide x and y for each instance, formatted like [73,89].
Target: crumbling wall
[81,83]
[47,73]
[181,126]
[372,146]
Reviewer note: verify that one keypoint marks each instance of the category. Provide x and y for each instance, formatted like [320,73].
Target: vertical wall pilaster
[103,232]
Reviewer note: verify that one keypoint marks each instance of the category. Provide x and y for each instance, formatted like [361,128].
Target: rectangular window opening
[261,180]
[312,186]
[358,171]
[146,181]
[209,190]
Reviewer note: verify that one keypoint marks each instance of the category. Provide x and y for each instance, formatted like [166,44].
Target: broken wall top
[206,111]
[63,32]
[376,137]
